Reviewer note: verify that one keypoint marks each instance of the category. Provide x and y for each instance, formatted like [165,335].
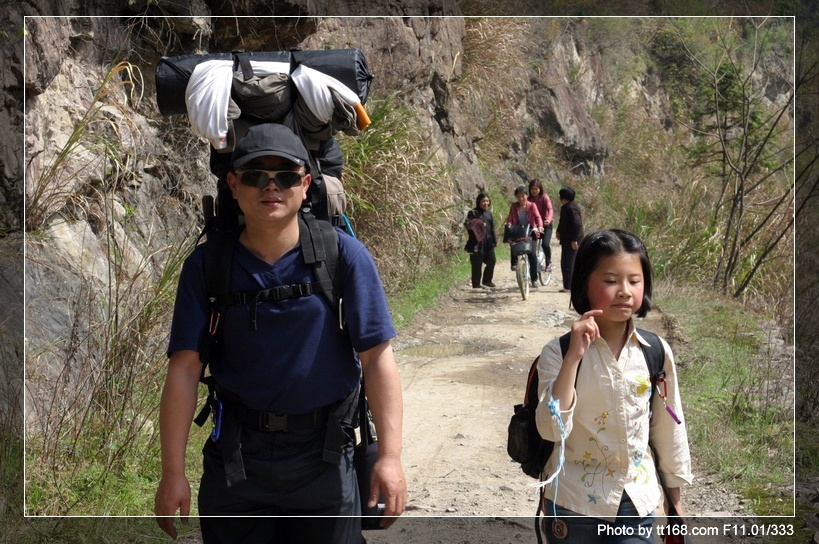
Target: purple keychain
[663,394]
[672,413]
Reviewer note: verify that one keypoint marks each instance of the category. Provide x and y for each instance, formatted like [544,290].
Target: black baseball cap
[269,139]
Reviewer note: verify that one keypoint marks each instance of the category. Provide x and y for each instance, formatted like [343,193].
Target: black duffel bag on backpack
[349,66]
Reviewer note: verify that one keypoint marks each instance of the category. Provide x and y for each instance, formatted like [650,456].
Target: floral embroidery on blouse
[592,465]
[643,385]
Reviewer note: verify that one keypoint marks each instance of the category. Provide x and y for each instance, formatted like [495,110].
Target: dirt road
[463,365]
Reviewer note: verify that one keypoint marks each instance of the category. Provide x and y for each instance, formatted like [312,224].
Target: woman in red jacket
[522,212]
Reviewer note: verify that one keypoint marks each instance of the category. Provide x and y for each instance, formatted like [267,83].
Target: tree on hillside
[807,216]
[737,72]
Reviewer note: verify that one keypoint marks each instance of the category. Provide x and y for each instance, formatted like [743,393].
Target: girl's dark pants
[286,476]
[477,259]
[546,240]
[569,527]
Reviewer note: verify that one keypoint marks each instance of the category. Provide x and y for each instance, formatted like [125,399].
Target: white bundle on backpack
[314,88]
[207,96]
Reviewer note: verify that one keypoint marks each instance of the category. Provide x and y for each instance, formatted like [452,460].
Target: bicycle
[521,248]
[544,271]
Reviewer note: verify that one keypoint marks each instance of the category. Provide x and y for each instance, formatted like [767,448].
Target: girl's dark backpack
[524,443]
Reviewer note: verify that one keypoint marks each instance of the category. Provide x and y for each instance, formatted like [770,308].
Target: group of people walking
[532,208]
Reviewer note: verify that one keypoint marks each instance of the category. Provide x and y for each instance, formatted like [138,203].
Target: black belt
[238,414]
[271,421]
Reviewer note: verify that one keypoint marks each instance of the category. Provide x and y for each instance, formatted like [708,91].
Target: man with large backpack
[285,373]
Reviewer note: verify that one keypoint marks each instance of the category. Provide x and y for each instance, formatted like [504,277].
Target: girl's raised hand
[584,332]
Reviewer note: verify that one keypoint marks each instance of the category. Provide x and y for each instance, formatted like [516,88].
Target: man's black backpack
[260,97]
[524,444]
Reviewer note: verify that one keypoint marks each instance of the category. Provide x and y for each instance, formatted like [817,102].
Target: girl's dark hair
[535,183]
[566,193]
[604,243]
[480,197]
[521,189]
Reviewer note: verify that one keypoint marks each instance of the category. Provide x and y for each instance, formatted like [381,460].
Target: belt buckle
[270,422]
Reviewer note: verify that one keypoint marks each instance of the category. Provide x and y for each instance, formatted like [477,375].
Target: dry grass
[399,195]
[94,145]
[497,53]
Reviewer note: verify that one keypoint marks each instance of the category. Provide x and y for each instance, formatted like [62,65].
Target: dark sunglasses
[284,179]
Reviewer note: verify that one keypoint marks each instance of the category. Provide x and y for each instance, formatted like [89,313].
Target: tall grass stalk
[48,190]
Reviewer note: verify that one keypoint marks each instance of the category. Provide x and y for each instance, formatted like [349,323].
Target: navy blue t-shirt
[298,359]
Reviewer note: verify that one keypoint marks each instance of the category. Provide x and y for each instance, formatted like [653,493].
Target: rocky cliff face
[127,190]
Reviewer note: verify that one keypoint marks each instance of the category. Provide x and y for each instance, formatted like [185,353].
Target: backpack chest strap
[272,294]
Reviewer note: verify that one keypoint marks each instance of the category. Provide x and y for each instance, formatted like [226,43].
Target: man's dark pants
[286,477]
[567,255]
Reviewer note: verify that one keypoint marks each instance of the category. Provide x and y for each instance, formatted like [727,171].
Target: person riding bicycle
[524,214]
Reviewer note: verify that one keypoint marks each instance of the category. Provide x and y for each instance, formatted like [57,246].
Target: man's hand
[172,494]
[175,415]
[388,479]
[387,407]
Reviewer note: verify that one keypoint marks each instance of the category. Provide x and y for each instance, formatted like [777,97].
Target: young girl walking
[600,410]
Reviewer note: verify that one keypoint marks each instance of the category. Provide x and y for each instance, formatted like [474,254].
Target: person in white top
[598,413]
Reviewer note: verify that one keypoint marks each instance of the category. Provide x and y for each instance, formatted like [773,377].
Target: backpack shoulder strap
[218,255]
[655,360]
[654,352]
[564,343]
[319,243]
[564,347]
[532,383]
[218,259]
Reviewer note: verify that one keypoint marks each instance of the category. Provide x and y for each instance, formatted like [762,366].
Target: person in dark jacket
[569,233]
[480,226]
